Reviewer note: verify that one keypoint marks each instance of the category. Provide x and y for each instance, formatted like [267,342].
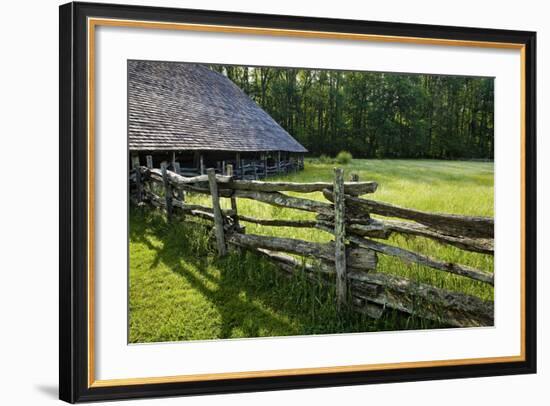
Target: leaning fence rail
[350,261]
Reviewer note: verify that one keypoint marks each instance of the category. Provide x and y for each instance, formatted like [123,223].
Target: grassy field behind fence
[178,290]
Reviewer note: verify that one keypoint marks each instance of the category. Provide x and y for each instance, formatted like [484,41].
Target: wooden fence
[350,260]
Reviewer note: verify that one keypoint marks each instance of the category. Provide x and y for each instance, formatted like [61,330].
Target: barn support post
[173,159]
[218,218]
[135,166]
[202,164]
[149,160]
[196,162]
[223,168]
[167,190]
[278,162]
[264,159]
[238,164]
[340,237]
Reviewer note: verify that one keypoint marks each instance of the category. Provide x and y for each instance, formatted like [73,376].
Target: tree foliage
[375,115]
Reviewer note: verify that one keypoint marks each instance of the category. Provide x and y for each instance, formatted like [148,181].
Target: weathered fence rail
[350,260]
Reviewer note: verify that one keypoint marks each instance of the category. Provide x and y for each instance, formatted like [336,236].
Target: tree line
[373,114]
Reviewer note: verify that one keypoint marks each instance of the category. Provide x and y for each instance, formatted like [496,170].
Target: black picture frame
[74,199]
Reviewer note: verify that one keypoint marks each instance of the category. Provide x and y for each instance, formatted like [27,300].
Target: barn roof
[181,106]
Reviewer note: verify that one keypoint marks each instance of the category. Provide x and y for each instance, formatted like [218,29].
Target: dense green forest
[376,115]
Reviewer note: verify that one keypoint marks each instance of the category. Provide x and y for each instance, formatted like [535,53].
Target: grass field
[178,290]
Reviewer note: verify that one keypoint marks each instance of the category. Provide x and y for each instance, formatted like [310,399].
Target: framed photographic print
[257,202]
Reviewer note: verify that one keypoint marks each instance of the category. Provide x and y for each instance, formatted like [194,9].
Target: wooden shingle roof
[181,106]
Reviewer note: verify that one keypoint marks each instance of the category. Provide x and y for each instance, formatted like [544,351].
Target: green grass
[179,290]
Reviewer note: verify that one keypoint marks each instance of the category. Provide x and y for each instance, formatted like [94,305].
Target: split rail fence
[350,260]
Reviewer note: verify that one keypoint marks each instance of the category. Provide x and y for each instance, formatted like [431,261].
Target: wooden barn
[194,118]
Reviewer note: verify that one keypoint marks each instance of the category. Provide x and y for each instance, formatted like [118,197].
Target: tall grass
[180,291]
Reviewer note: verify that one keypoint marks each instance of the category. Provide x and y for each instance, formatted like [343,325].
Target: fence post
[135,165]
[340,237]
[179,193]
[354,177]
[167,190]
[229,169]
[218,218]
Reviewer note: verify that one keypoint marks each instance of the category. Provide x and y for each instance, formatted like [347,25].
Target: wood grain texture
[282,200]
[355,188]
[405,295]
[467,226]
[481,245]
[167,191]
[218,217]
[340,237]
[413,257]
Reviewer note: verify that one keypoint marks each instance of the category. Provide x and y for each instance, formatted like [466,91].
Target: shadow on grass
[250,296]
[182,251]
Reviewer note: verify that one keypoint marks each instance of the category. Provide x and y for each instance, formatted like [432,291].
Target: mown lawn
[179,290]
